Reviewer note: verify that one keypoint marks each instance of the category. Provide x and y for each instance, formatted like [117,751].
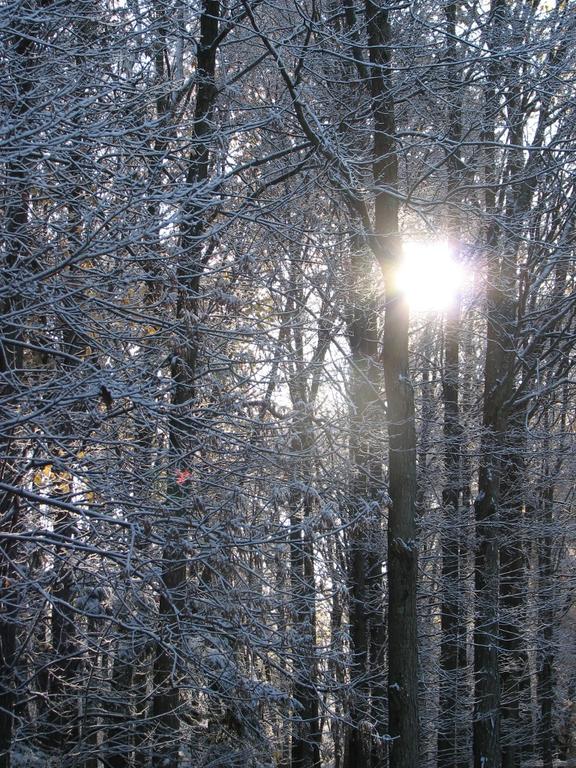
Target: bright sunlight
[430,277]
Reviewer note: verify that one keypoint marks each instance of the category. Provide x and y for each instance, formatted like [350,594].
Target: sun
[429,276]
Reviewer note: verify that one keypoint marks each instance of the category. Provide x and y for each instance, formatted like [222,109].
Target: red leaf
[182,475]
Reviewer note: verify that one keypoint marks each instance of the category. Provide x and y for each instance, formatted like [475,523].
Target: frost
[280,493]
[384,499]
[328,514]
[408,546]
[22,756]
[261,692]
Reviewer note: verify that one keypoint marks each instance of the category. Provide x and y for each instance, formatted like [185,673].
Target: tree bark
[513,593]
[363,746]
[451,744]
[167,703]
[306,736]
[497,389]
[402,571]
[9,609]
[305,752]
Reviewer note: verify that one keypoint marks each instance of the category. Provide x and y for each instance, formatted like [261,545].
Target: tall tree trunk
[451,744]
[9,609]
[546,616]
[337,664]
[141,684]
[451,747]
[487,748]
[365,535]
[402,549]
[547,586]
[486,630]
[119,737]
[20,49]
[306,732]
[402,571]
[167,702]
[497,389]
[63,715]
[513,592]
[305,751]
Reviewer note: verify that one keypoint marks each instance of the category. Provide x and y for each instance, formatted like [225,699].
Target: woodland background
[250,513]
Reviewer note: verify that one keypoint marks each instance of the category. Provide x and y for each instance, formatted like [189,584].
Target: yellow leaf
[41,475]
[62,485]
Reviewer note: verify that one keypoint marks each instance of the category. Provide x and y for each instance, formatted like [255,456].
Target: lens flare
[429,276]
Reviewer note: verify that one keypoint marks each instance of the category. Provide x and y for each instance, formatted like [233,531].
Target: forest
[287,383]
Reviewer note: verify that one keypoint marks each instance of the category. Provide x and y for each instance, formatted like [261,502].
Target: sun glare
[429,276]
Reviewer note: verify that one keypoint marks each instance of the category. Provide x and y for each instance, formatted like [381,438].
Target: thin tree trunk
[365,535]
[63,714]
[119,738]
[451,745]
[513,591]
[9,609]
[305,751]
[486,632]
[546,591]
[336,664]
[141,679]
[546,616]
[306,732]
[451,748]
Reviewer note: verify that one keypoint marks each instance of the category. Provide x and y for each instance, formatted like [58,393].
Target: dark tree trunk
[63,714]
[305,752]
[513,594]
[307,729]
[546,615]
[402,548]
[20,47]
[402,572]
[451,745]
[167,702]
[365,542]
[119,738]
[487,752]
[452,751]
[487,685]
[497,390]
[9,609]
